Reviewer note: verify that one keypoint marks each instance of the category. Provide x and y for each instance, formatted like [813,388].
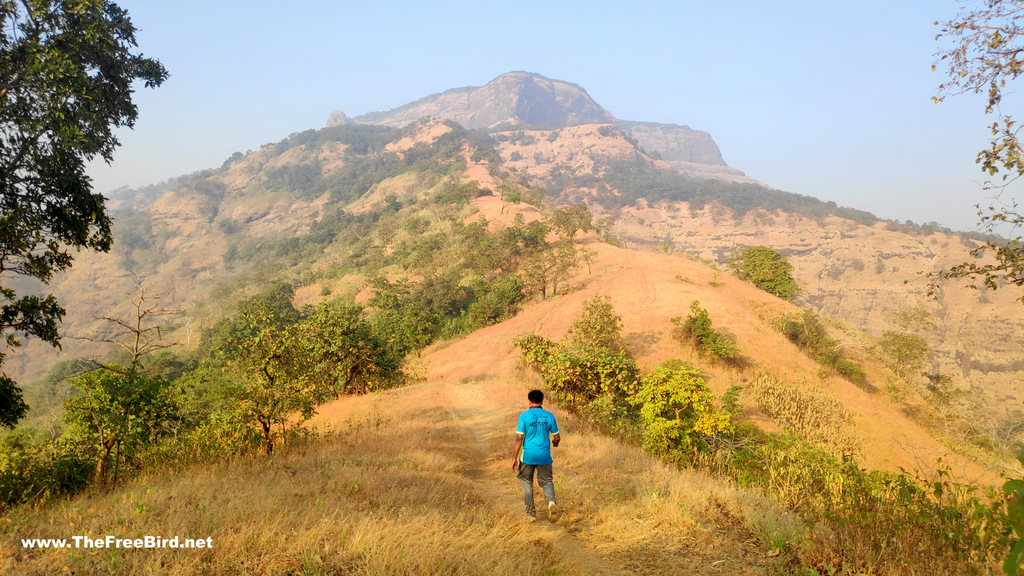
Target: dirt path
[488,428]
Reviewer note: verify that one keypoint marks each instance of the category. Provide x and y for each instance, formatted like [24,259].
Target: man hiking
[532,437]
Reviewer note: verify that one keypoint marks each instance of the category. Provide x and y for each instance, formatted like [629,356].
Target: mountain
[512,98]
[523,99]
[455,243]
[328,210]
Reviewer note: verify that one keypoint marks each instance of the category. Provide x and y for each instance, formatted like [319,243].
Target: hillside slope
[325,210]
[415,480]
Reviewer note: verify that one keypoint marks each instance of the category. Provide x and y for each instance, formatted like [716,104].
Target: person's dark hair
[535,396]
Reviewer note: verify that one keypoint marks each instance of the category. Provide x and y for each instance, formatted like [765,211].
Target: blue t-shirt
[536,424]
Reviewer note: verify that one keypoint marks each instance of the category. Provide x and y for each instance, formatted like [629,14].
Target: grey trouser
[543,478]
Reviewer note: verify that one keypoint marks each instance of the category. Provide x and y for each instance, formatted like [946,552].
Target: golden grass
[381,496]
[416,481]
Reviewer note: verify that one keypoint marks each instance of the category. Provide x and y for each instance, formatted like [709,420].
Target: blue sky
[828,99]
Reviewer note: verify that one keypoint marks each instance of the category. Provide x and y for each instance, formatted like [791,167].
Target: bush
[765,268]
[808,332]
[677,410]
[579,375]
[598,326]
[697,328]
[30,472]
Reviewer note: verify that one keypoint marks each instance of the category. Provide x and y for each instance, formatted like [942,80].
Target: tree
[986,52]
[343,353]
[598,326]
[765,268]
[267,358]
[676,408]
[122,406]
[67,74]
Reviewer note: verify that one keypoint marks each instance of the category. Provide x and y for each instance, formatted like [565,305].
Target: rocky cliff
[515,98]
[526,99]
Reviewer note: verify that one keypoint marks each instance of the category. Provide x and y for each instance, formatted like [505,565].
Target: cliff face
[522,98]
[675,143]
[516,98]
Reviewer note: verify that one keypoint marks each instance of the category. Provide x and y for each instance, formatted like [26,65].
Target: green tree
[116,413]
[984,53]
[598,326]
[343,353]
[568,220]
[904,351]
[266,359]
[676,409]
[121,406]
[67,73]
[765,268]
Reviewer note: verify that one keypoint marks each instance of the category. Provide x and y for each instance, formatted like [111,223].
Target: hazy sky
[830,99]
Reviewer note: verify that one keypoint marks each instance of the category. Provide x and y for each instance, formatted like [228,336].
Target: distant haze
[827,100]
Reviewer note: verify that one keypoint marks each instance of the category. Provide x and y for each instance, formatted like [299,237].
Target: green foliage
[1013,491]
[591,366]
[676,410]
[117,412]
[68,71]
[122,407]
[731,404]
[590,373]
[765,268]
[598,326]
[862,522]
[635,180]
[268,360]
[33,472]
[697,329]
[343,353]
[902,350]
[904,353]
[581,374]
[454,193]
[809,334]
[568,220]
[275,300]
[496,301]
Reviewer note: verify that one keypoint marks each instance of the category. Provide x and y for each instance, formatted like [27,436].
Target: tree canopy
[765,268]
[67,75]
[987,42]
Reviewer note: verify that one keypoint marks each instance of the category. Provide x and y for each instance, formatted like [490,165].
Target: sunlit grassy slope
[416,480]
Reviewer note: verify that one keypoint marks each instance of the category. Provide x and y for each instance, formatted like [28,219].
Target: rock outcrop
[675,143]
[338,118]
[515,98]
[531,100]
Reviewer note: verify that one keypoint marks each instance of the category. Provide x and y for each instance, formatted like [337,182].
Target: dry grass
[416,482]
[383,495]
[819,417]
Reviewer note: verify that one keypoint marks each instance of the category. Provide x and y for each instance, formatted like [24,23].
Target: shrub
[676,410]
[697,328]
[765,268]
[598,326]
[581,375]
[903,353]
[808,332]
[30,472]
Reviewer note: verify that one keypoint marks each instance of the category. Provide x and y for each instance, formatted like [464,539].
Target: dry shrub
[819,417]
